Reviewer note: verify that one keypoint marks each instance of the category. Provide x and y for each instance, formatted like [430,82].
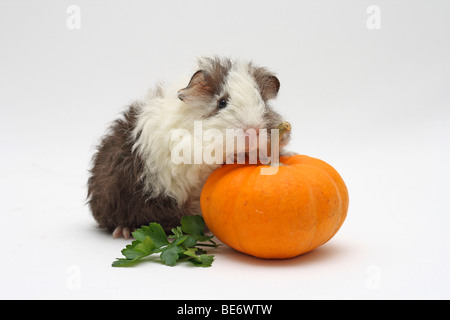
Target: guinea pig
[133,180]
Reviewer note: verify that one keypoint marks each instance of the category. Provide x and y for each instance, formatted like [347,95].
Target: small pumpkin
[276,216]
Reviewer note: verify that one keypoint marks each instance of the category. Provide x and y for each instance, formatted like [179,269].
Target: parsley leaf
[171,255]
[152,239]
[193,225]
[155,232]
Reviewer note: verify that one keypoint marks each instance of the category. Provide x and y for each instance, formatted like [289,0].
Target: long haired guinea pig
[133,180]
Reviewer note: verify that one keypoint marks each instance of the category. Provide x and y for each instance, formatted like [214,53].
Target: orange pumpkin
[277,216]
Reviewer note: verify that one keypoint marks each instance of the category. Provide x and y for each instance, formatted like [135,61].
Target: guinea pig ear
[270,88]
[268,84]
[199,87]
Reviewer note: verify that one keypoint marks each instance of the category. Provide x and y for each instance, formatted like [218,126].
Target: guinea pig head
[233,95]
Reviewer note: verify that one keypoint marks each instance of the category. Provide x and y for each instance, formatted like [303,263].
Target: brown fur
[217,70]
[268,84]
[208,81]
[115,190]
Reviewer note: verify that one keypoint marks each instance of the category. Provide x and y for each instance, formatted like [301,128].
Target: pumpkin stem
[283,128]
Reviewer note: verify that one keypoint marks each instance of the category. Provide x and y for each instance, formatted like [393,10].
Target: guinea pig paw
[122,232]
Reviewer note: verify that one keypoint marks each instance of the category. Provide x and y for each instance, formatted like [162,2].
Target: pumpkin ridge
[236,218]
[337,224]
[252,180]
[335,178]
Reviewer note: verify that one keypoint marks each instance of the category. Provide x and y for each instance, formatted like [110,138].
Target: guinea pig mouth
[251,144]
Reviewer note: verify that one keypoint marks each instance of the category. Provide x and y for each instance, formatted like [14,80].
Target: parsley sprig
[184,246]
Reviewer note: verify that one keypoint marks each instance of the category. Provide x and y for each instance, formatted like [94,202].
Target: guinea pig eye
[222,103]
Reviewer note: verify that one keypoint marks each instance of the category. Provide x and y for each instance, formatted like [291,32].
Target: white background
[375,104]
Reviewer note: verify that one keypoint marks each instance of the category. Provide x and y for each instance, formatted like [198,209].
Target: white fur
[163,114]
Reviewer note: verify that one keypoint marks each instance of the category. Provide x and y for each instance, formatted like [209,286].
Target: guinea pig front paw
[122,232]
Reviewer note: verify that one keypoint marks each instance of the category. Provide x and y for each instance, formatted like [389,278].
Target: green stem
[207,245]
